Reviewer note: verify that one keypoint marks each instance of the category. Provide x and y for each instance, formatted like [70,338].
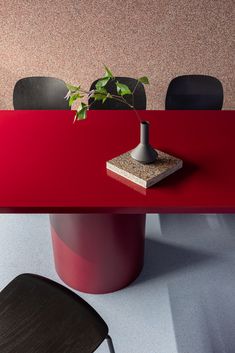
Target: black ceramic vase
[144,152]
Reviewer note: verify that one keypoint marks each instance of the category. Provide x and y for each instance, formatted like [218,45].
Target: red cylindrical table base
[98,253]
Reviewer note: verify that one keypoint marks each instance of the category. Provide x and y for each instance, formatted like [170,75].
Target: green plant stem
[115,97]
[84,91]
[131,106]
[133,98]
[135,87]
[122,100]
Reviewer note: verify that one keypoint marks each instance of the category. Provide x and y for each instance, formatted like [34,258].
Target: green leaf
[108,96]
[81,112]
[122,89]
[101,90]
[108,73]
[144,80]
[100,94]
[102,82]
[72,88]
[98,97]
[74,97]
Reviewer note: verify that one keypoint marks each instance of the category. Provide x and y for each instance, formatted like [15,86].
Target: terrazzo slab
[145,175]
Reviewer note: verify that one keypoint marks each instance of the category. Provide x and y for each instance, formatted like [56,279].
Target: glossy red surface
[48,164]
[98,253]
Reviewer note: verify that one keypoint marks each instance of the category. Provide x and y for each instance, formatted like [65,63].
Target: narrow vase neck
[144,132]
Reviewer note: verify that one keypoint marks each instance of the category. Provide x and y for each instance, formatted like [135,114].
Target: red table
[50,165]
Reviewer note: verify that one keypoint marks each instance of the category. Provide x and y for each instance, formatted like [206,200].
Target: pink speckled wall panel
[157,38]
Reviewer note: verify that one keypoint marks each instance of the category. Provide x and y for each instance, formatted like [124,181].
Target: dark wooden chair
[196,92]
[40,93]
[138,99]
[38,315]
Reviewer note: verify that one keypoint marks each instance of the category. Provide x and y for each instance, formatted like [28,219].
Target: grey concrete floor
[184,299]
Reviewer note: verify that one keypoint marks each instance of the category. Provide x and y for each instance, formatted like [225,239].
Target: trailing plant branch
[100,93]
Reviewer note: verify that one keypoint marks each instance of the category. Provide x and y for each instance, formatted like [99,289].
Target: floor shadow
[162,259]
[229,221]
[176,225]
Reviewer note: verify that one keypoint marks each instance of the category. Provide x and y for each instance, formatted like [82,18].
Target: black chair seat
[138,99]
[38,315]
[194,92]
[40,93]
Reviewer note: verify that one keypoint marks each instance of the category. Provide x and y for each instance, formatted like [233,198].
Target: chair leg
[110,344]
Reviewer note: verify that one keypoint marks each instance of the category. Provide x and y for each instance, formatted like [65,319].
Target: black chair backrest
[138,99]
[196,92]
[39,93]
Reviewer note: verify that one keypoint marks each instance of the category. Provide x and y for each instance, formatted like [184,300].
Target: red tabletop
[48,164]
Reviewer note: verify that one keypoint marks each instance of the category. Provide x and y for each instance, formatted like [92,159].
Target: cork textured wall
[157,38]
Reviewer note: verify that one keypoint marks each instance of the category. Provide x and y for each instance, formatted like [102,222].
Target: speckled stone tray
[144,175]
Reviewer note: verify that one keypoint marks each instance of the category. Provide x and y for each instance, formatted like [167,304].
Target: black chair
[38,315]
[39,93]
[138,99]
[196,92]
